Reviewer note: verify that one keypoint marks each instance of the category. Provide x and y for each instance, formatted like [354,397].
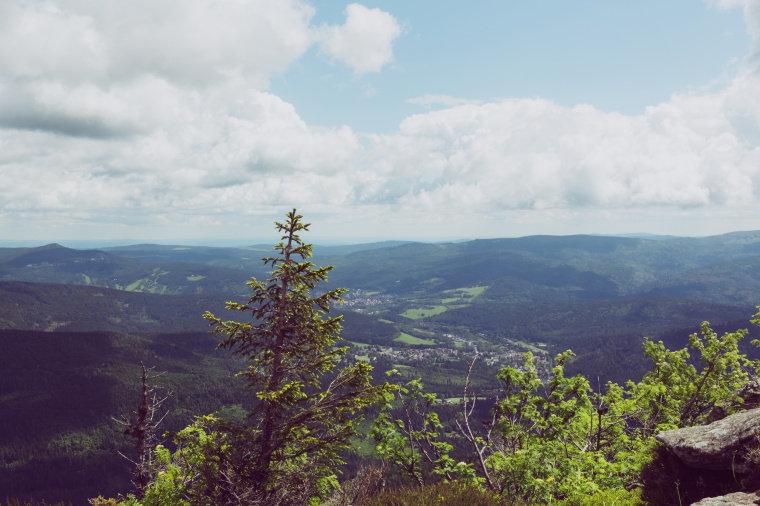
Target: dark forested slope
[59,390]
[42,306]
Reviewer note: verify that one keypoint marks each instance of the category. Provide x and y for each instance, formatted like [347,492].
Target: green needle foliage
[288,449]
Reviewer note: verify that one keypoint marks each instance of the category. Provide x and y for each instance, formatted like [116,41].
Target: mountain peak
[53,245]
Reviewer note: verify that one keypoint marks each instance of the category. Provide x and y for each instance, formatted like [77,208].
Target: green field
[474,291]
[406,338]
[459,297]
[532,347]
[195,278]
[419,313]
[134,286]
[469,292]
[145,285]
[458,400]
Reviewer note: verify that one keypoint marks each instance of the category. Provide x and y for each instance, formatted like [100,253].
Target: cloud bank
[157,114]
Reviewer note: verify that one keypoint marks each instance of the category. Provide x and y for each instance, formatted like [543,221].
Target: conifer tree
[144,429]
[295,423]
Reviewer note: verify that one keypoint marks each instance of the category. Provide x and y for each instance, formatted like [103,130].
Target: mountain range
[75,325]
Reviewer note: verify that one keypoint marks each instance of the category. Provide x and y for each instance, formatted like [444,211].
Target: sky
[203,121]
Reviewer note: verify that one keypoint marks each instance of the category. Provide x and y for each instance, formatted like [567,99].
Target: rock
[717,446]
[747,397]
[737,499]
[750,394]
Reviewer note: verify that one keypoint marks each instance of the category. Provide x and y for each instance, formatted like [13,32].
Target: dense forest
[443,369]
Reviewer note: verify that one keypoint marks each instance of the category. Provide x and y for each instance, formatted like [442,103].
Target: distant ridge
[60,307]
[644,235]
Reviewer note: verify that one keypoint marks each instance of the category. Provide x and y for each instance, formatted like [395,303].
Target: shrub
[619,497]
[440,494]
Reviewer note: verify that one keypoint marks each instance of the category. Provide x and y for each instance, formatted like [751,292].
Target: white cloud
[533,154]
[193,42]
[751,9]
[42,40]
[109,69]
[729,4]
[364,42]
[154,111]
[369,91]
[430,100]
[129,111]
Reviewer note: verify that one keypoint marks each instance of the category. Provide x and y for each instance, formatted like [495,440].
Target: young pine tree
[297,426]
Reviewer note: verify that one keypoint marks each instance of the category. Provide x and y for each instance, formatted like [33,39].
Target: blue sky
[203,121]
[618,56]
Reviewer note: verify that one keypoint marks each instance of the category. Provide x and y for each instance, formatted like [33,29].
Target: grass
[532,347]
[458,400]
[362,358]
[408,339]
[425,312]
[358,345]
[145,285]
[469,292]
[195,278]
[134,286]
[441,493]
[459,297]
[474,291]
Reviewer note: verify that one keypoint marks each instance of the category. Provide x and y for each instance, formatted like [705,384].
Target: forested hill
[530,267]
[60,390]
[584,265]
[562,290]
[56,264]
[73,308]
[94,315]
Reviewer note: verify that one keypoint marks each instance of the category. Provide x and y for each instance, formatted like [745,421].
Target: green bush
[606,498]
[440,494]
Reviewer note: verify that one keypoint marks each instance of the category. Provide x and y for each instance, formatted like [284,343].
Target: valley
[75,325]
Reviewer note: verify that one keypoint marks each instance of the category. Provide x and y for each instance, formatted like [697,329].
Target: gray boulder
[718,446]
[735,499]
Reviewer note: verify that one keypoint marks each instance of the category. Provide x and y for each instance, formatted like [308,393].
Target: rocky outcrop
[735,499]
[722,457]
[720,445]
[747,397]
